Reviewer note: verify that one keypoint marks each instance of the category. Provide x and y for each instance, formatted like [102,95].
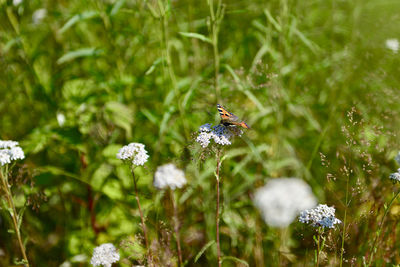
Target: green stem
[14,215]
[344,221]
[380,228]
[216,18]
[217,213]
[176,227]
[171,72]
[144,228]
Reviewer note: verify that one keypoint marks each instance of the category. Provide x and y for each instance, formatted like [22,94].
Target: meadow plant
[281,200]
[217,137]
[320,217]
[10,152]
[395,178]
[104,255]
[135,155]
[169,177]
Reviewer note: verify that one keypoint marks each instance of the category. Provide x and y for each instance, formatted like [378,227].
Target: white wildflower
[16,153]
[281,200]
[395,176]
[169,175]
[220,134]
[134,152]
[39,15]
[393,44]
[17,2]
[322,215]
[4,157]
[8,144]
[9,151]
[61,119]
[105,254]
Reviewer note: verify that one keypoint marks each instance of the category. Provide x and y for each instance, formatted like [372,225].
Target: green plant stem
[216,18]
[14,217]
[380,228]
[318,249]
[176,227]
[144,228]
[217,213]
[171,72]
[344,221]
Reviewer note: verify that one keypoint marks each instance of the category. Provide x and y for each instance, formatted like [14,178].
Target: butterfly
[229,119]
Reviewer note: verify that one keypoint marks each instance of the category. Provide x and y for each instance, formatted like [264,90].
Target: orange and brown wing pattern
[228,118]
[226,115]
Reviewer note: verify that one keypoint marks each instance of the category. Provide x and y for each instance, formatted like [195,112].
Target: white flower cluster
[105,254]
[39,15]
[134,152]
[9,151]
[281,200]
[322,215]
[219,133]
[393,44]
[395,176]
[169,175]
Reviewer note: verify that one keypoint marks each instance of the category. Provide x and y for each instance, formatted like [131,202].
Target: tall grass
[151,72]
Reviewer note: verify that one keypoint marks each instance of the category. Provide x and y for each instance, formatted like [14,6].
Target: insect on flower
[229,119]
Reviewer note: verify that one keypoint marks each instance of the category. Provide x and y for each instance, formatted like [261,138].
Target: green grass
[312,78]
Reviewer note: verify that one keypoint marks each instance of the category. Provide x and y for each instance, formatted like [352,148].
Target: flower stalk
[144,228]
[176,227]
[13,212]
[218,199]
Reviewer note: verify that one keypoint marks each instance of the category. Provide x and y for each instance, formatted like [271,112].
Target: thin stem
[217,213]
[167,56]
[216,17]
[344,221]
[142,219]
[318,249]
[176,227]
[380,228]
[13,215]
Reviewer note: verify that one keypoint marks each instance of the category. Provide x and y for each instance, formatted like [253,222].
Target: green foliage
[313,79]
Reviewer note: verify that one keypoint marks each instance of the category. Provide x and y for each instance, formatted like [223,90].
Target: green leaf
[83,52]
[79,17]
[117,6]
[231,258]
[121,115]
[196,36]
[204,248]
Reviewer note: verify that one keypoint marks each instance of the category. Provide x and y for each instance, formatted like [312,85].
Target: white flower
[393,44]
[16,153]
[105,254]
[4,157]
[134,152]
[9,151]
[169,175]
[281,200]
[39,15]
[322,215]
[61,119]
[8,144]
[395,176]
[397,158]
[17,2]
[220,134]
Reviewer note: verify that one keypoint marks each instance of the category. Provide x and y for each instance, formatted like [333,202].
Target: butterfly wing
[226,116]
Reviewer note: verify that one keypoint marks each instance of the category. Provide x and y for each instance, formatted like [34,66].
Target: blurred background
[318,81]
